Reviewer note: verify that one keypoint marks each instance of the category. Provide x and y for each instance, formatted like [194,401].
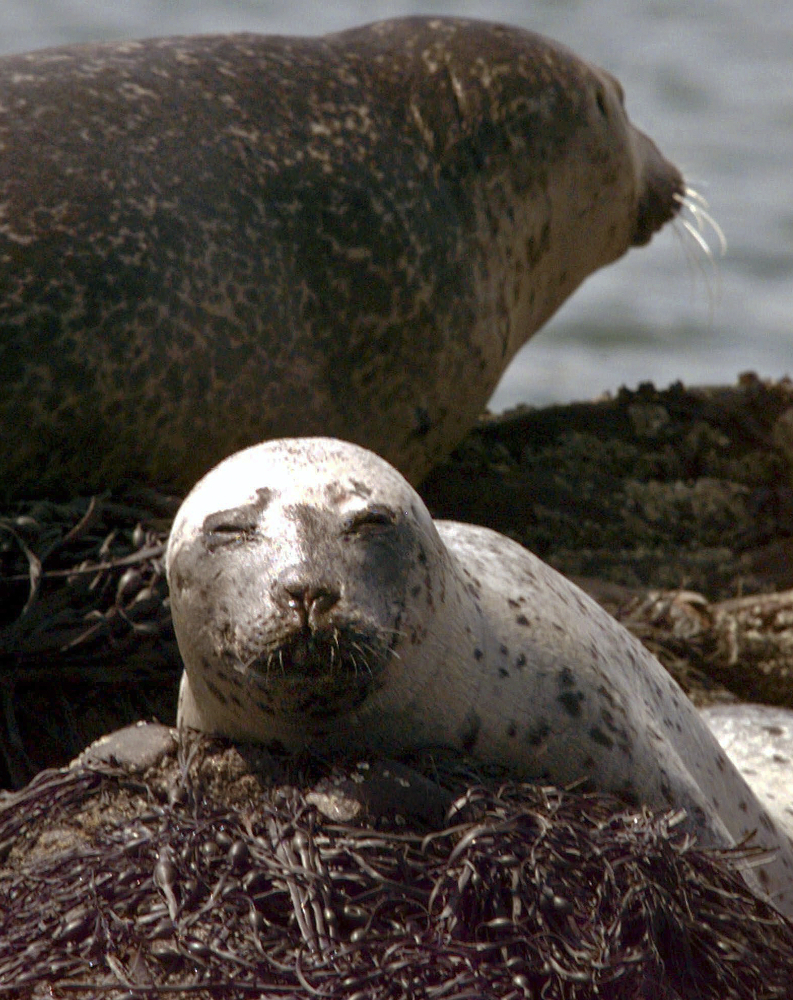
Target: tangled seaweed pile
[210,882]
[86,643]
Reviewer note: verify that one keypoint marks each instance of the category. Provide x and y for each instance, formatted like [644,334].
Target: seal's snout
[661,188]
[310,600]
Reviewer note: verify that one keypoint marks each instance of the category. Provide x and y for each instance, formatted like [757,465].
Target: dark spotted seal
[316,603]
[208,241]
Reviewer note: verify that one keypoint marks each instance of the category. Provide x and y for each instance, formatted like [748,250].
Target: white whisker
[697,222]
[696,235]
[362,651]
[698,208]
[691,194]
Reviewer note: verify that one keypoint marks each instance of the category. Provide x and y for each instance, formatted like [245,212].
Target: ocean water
[710,80]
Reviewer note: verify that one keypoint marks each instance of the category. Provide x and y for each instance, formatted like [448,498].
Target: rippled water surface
[712,82]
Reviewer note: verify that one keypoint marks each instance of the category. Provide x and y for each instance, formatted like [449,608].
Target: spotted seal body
[317,604]
[208,241]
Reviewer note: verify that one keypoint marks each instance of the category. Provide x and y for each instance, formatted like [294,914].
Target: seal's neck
[434,676]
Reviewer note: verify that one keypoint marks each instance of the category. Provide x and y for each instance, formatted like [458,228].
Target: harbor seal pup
[209,241]
[316,603]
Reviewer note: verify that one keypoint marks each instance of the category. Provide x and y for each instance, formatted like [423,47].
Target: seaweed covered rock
[224,872]
[681,487]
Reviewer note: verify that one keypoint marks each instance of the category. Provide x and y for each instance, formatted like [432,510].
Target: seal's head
[546,169]
[295,569]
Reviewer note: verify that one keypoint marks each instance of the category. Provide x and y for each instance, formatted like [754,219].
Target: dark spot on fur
[503,650]
[478,654]
[520,661]
[470,730]
[503,672]
[216,692]
[600,737]
[571,702]
[360,489]
[522,620]
[607,694]
[537,736]
[511,730]
[565,677]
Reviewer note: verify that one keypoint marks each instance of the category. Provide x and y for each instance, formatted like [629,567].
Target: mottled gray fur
[208,241]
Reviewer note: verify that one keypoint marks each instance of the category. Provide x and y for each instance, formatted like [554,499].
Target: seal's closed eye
[237,520]
[236,523]
[228,526]
[373,516]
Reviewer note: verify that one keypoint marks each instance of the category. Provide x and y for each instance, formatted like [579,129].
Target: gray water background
[710,80]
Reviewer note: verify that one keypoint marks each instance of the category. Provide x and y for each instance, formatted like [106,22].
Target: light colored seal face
[294,570]
[210,241]
[316,604]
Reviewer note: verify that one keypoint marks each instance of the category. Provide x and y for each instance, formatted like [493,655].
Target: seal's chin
[309,653]
[321,672]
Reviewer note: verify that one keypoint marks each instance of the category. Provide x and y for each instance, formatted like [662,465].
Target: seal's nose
[661,190]
[309,599]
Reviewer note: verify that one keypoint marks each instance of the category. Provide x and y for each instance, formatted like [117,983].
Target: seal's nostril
[311,601]
[323,599]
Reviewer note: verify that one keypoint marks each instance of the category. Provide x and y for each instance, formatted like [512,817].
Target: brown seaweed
[206,882]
